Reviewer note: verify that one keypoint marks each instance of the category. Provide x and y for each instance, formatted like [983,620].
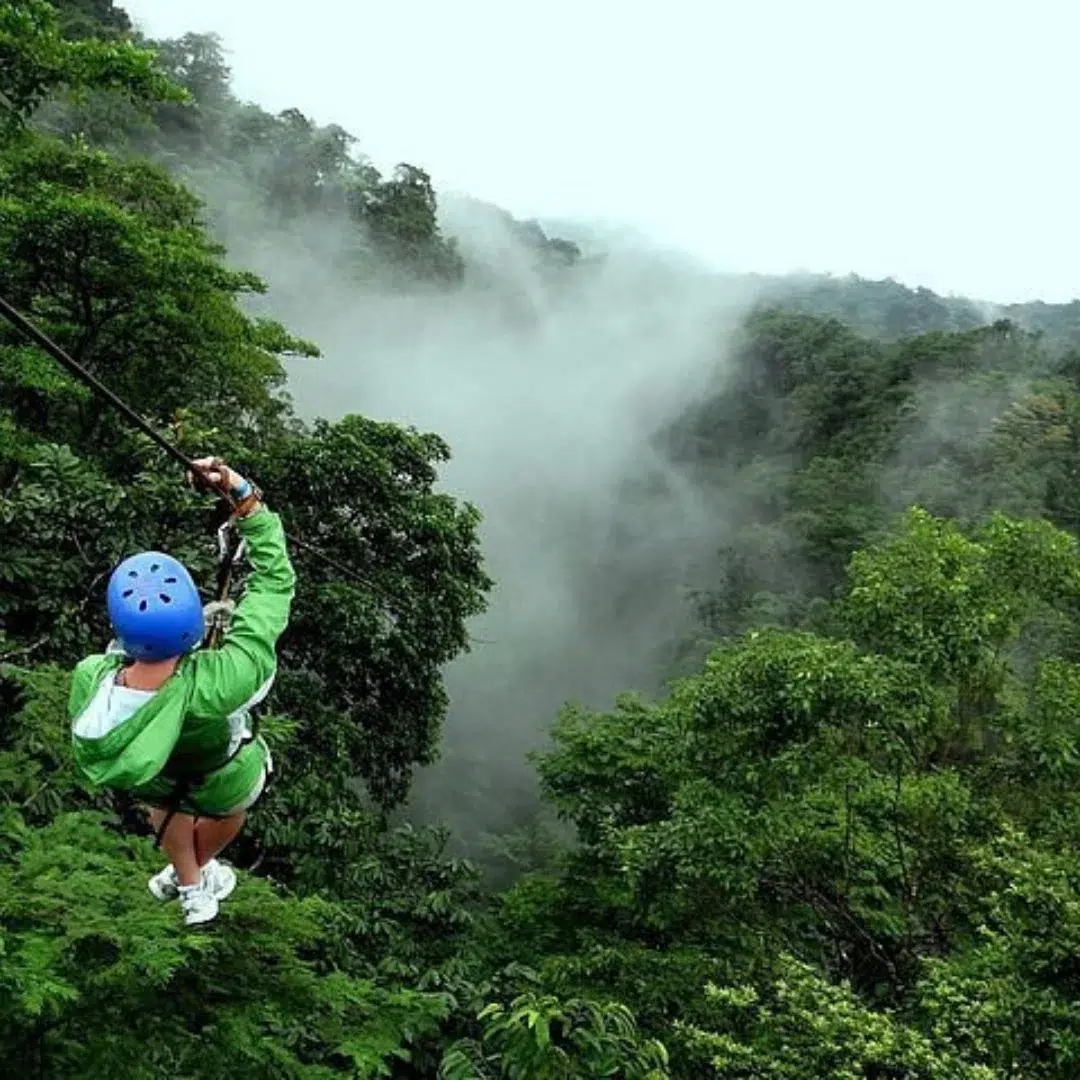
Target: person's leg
[213,835]
[179,844]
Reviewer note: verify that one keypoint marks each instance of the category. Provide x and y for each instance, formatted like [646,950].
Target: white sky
[930,140]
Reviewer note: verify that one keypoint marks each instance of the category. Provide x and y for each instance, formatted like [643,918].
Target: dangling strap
[183,786]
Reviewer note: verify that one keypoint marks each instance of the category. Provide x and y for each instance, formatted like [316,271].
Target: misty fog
[547,386]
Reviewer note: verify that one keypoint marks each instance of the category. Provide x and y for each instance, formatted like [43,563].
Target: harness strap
[230,548]
[188,781]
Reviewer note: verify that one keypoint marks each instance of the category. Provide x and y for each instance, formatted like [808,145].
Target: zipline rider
[159,717]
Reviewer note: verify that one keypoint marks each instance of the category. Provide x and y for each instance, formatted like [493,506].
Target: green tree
[834,800]
[97,983]
[804,1027]
[110,256]
[400,216]
[36,60]
[546,1039]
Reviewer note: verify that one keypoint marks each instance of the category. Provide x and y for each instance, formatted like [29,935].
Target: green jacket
[191,727]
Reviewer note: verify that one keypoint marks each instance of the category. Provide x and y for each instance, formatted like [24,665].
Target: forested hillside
[829,831]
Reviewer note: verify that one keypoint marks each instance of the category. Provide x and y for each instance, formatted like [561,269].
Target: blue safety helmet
[154,607]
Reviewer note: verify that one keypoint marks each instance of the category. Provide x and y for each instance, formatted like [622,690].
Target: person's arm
[226,678]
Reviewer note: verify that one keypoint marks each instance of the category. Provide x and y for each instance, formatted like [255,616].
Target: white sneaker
[165,885]
[219,878]
[198,903]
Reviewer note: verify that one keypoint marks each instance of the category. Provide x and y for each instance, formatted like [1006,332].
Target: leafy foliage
[837,825]
[104,986]
[36,60]
[842,843]
[804,1026]
[110,256]
[547,1039]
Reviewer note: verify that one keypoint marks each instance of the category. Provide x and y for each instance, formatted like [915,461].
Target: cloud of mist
[547,384]
[941,462]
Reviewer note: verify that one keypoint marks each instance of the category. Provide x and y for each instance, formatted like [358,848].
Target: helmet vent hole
[126,593]
[155,567]
[164,598]
[170,581]
[133,573]
[142,605]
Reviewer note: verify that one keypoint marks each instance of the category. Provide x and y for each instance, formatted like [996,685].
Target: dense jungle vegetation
[844,845]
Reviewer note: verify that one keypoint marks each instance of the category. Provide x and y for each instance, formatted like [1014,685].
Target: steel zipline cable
[29,330]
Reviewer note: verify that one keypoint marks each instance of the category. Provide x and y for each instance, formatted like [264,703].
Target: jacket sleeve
[227,678]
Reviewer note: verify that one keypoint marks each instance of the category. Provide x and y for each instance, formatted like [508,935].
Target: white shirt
[109,708]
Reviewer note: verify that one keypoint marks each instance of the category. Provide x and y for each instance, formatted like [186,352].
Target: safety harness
[231,548]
